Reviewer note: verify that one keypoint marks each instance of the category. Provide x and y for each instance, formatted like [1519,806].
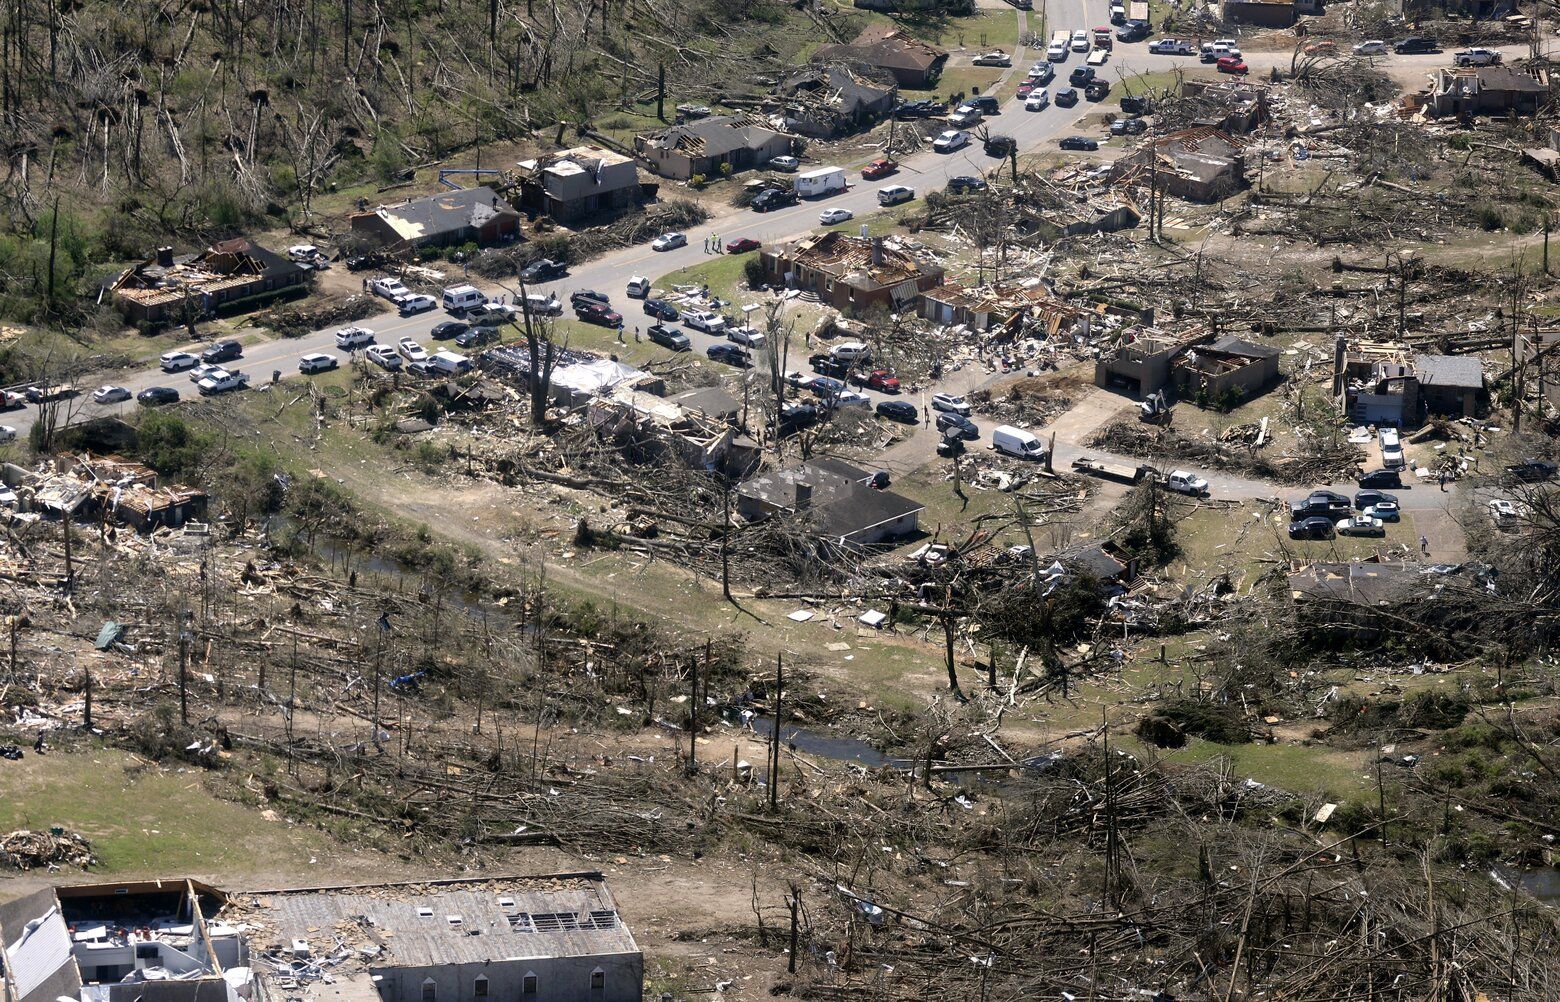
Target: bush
[753,271]
[1219,723]
[169,445]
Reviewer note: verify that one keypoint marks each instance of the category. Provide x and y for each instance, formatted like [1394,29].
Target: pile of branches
[297,321]
[1133,438]
[27,850]
[575,248]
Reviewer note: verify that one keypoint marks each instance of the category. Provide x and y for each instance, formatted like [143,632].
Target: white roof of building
[41,950]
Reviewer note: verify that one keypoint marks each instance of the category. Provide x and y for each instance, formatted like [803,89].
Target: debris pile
[25,849]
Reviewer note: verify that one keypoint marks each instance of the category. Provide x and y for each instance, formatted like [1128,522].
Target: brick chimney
[165,257]
[877,251]
[804,493]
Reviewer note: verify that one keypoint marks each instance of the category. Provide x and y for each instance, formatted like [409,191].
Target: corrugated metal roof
[39,952]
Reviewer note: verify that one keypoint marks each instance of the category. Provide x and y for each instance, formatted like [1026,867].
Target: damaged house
[1383,383]
[1200,164]
[578,183]
[101,488]
[236,273]
[850,272]
[1006,306]
[450,218]
[1485,90]
[1233,106]
[834,501]
[1148,360]
[911,62]
[701,148]
[834,99]
[702,441]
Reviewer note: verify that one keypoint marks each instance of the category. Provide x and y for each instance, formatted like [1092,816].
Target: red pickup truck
[879,168]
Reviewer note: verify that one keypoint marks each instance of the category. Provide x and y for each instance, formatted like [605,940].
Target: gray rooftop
[465,922]
[1462,371]
[842,504]
[1230,344]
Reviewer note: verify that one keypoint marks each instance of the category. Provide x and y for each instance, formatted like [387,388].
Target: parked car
[198,373]
[1373,47]
[1386,511]
[1097,90]
[895,194]
[1365,499]
[156,396]
[898,410]
[1128,127]
[999,146]
[1037,101]
[599,314]
[669,241]
[964,183]
[829,217]
[418,303]
[1232,64]
[1042,73]
[1360,525]
[1080,76]
[110,394]
[426,370]
[965,116]
[589,296]
[705,320]
[950,141]
[994,58]
[1066,97]
[477,337]
[1505,513]
[222,382]
[448,331]
[1476,57]
[881,167]
[669,337]
[771,199]
[1136,105]
[1415,46]
[828,365]
[1080,40]
[878,379]
[730,354]
[951,403]
[1171,47]
[784,163]
[410,350]
[316,361]
[352,338]
[1079,143]
[1532,470]
[850,351]
[1381,478]
[543,270]
[742,245]
[965,428]
[222,351]
[747,337]
[177,361]
[661,309]
[383,356]
[1314,527]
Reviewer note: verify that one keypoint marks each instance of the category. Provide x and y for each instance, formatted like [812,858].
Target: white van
[462,297]
[850,351]
[353,338]
[1017,442]
[451,363]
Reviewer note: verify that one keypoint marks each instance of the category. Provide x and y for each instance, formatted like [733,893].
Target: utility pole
[184,666]
[774,751]
[693,715]
[86,716]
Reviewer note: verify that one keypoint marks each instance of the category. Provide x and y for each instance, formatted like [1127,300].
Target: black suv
[543,270]
[1131,105]
[987,104]
[965,428]
[773,198]
[477,337]
[1000,146]
[1312,527]
[1381,478]
[1415,46]
[1531,470]
[963,183]
[825,364]
[222,351]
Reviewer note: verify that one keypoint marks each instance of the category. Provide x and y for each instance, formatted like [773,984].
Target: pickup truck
[222,383]
[389,288]
[1171,47]
[1183,482]
[1476,57]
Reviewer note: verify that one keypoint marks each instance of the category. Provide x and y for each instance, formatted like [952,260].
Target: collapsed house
[1485,90]
[652,422]
[1029,306]
[1233,106]
[834,99]
[850,272]
[99,489]
[450,218]
[704,147]
[233,274]
[1363,600]
[1200,164]
[1383,383]
[578,183]
[834,503]
[1103,211]
[912,62]
[1261,13]
[1147,361]
[578,383]
[1109,562]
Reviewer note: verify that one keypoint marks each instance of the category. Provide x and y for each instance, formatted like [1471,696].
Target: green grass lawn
[145,820]
[957,80]
[985,29]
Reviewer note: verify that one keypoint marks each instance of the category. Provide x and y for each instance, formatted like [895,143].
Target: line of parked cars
[1323,514]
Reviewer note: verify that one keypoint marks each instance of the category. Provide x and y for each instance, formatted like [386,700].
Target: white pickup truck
[1183,482]
[389,288]
[222,382]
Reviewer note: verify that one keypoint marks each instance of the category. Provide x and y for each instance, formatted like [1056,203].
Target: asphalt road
[927,171]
